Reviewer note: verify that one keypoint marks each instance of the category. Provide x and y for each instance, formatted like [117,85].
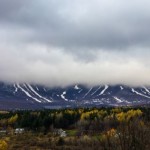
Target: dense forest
[90,128]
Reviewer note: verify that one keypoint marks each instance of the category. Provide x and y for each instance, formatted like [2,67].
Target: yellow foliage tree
[3,145]
[125,117]
[111,132]
[13,119]
[121,117]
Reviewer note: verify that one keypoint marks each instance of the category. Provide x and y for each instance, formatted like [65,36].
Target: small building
[63,134]
[19,130]
[60,132]
[3,132]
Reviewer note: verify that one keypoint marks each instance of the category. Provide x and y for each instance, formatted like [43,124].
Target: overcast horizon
[64,42]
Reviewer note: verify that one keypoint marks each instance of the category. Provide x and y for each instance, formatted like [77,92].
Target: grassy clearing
[71,132]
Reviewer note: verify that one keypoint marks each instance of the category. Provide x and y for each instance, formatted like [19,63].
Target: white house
[19,130]
[60,132]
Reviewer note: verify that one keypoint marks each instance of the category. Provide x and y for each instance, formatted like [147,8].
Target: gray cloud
[107,24]
[64,42]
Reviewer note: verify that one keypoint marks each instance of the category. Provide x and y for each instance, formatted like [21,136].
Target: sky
[64,42]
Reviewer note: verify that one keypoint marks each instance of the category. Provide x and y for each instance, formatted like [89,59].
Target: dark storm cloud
[84,40]
[98,24]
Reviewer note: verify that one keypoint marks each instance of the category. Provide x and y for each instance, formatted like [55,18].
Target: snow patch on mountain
[76,87]
[96,90]
[118,100]
[23,90]
[121,88]
[30,87]
[63,96]
[134,91]
[16,89]
[103,91]
[87,92]
[146,90]
[37,88]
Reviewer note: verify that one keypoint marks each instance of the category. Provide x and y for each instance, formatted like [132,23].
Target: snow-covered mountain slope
[26,96]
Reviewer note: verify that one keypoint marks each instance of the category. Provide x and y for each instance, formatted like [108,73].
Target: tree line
[114,128]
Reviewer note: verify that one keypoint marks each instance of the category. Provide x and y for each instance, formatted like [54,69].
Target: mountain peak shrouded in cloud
[58,43]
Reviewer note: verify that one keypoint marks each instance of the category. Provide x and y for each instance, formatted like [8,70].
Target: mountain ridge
[29,96]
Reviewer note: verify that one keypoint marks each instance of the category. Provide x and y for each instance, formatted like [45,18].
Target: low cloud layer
[58,43]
